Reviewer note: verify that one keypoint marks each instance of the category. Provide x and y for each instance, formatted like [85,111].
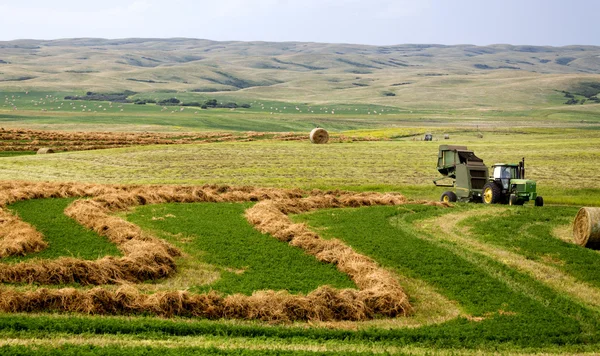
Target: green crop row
[247,260]
[65,236]
[73,349]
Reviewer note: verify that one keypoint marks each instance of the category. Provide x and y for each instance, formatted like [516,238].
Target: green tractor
[470,176]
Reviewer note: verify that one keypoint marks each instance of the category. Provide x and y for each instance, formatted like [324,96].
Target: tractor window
[504,172]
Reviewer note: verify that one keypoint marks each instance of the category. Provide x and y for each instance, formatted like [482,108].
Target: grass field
[563,162]
[480,279]
[49,110]
[512,294]
[240,259]
[65,236]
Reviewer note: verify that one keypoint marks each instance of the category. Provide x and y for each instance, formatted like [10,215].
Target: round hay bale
[45,150]
[319,136]
[586,227]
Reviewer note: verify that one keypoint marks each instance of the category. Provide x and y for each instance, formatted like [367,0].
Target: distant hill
[315,72]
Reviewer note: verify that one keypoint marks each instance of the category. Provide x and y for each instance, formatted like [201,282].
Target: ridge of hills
[410,75]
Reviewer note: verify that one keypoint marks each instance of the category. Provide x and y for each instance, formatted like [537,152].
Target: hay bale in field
[44,150]
[319,136]
[586,227]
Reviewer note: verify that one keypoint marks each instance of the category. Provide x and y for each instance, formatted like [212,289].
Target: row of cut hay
[323,304]
[32,140]
[379,294]
[117,197]
[144,258]
[13,191]
[17,238]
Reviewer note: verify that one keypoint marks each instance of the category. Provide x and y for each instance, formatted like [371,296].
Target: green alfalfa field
[481,279]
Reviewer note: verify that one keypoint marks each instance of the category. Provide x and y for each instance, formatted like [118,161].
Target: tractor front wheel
[492,193]
[539,201]
[513,200]
[448,197]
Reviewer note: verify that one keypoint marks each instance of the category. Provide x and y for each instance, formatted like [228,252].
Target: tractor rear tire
[448,197]
[491,193]
[539,201]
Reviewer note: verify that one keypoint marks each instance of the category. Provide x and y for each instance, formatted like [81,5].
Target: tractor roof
[506,164]
[453,148]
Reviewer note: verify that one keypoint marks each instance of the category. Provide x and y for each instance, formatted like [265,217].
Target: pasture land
[465,80]
[50,111]
[564,163]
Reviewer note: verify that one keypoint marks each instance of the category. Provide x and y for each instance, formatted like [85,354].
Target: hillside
[462,76]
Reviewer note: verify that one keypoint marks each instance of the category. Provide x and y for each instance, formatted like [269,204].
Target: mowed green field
[563,162]
[481,279]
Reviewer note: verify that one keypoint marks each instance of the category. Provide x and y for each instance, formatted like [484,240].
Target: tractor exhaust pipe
[522,168]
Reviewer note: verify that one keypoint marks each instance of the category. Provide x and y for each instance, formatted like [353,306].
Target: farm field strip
[379,292]
[497,298]
[69,238]
[445,228]
[184,344]
[560,164]
[499,301]
[32,140]
[231,251]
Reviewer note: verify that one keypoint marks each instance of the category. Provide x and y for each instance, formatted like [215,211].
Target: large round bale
[319,136]
[45,150]
[586,227]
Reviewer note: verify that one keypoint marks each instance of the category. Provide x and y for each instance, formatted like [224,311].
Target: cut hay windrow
[18,238]
[380,293]
[33,140]
[323,304]
[146,257]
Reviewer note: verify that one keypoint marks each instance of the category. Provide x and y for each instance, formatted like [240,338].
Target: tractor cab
[503,173]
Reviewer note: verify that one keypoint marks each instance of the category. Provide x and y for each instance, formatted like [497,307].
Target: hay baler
[472,182]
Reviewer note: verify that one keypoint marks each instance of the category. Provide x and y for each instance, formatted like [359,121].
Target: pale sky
[376,22]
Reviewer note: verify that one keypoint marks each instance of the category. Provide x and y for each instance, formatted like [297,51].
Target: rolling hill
[411,75]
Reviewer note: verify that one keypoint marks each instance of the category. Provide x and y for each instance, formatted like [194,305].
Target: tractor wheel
[513,200]
[539,201]
[492,193]
[448,197]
